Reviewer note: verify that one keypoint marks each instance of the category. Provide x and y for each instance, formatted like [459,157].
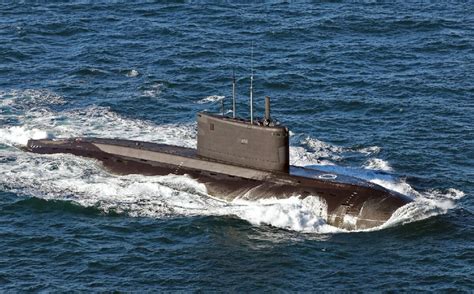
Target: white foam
[19,135]
[94,121]
[154,91]
[83,181]
[132,73]
[6,101]
[301,157]
[305,215]
[210,99]
[378,164]
[398,185]
[369,150]
[323,149]
[453,194]
[29,98]
[421,208]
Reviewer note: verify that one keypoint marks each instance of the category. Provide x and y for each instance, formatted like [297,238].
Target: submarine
[239,158]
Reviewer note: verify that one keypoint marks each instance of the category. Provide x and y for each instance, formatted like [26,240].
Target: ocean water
[379,91]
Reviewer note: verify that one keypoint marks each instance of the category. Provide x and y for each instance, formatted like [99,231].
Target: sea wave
[211,99]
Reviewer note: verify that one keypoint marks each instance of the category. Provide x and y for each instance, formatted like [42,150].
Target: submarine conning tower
[258,144]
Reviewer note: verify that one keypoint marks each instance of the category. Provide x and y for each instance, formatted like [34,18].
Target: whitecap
[378,164]
[154,91]
[132,73]
[369,150]
[210,99]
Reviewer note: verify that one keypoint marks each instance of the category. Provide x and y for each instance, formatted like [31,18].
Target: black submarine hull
[351,203]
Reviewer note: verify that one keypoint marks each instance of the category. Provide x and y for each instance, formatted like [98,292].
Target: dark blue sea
[379,91]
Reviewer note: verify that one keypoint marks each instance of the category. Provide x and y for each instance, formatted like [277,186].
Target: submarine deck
[188,158]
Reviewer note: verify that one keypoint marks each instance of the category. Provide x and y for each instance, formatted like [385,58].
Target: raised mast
[251,90]
[222,106]
[267,109]
[233,93]
[251,98]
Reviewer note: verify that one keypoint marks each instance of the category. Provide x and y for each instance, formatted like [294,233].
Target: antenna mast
[222,103]
[233,93]
[251,90]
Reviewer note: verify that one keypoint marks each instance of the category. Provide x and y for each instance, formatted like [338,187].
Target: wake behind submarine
[241,159]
